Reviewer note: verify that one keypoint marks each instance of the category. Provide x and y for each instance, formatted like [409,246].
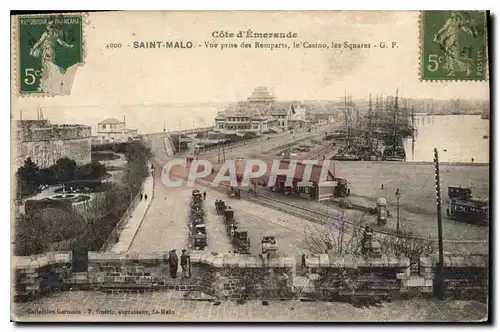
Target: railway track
[324,219]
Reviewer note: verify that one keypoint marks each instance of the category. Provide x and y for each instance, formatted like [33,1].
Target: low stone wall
[465,277]
[226,276]
[339,276]
[40,274]
[233,276]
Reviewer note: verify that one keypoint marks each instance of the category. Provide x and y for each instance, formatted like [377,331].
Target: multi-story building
[259,114]
[243,118]
[111,130]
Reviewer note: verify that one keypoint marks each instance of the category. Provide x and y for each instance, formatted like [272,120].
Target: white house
[112,130]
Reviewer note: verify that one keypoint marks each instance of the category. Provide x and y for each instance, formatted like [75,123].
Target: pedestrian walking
[141,197]
[184,264]
[146,197]
[382,186]
[303,260]
[204,195]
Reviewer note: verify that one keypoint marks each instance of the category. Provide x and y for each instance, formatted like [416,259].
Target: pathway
[131,226]
[416,310]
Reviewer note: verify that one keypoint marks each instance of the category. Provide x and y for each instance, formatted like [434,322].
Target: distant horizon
[225,103]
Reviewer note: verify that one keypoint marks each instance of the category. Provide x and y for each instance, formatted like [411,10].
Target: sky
[113,79]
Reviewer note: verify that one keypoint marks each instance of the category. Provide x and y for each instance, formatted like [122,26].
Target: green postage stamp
[453,45]
[49,49]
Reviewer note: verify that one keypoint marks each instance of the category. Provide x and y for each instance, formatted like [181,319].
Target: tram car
[463,207]
[455,192]
[472,211]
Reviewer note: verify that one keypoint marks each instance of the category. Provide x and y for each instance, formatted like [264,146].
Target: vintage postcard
[250,166]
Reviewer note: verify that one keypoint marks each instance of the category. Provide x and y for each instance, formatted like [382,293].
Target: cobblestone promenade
[170,306]
[165,225]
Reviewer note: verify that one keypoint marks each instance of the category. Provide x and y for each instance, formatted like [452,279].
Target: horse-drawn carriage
[199,241]
[220,206]
[231,229]
[196,214]
[241,241]
[197,228]
[269,244]
[234,193]
[197,196]
[228,215]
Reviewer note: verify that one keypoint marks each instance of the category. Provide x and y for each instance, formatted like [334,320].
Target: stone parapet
[465,277]
[54,132]
[42,260]
[39,274]
[235,276]
[350,261]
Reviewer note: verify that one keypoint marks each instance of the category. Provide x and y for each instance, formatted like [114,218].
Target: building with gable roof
[112,130]
[259,114]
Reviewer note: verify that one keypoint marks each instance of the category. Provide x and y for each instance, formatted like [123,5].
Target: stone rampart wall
[339,276]
[233,276]
[465,277]
[45,143]
[55,132]
[225,276]
[45,153]
[40,274]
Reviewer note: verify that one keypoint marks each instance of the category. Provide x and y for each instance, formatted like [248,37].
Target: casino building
[260,114]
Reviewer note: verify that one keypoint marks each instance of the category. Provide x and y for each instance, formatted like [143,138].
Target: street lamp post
[398,196]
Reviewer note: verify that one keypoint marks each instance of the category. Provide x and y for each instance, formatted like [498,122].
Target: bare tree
[335,236]
[408,245]
[338,237]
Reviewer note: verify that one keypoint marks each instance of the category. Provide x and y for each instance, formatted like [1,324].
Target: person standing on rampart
[184,263]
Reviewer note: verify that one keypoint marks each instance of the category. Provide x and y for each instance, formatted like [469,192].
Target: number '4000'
[114,45]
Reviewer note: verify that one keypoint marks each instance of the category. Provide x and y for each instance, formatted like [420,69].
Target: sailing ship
[380,133]
[349,152]
[395,151]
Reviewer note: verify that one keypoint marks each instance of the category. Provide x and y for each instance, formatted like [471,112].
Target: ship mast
[413,130]
[358,124]
[395,122]
[370,134]
[346,122]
